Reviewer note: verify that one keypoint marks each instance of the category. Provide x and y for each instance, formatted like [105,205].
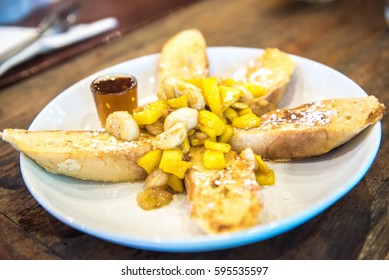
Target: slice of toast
[272,71]
[309,130]
[184,56]
[222,200]
[87,155]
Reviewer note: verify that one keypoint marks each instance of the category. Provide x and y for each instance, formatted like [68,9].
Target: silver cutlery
[57,22]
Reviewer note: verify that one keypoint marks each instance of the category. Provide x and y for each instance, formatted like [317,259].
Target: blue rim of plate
[222,241]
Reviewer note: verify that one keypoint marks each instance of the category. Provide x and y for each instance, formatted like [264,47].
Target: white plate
[109,211]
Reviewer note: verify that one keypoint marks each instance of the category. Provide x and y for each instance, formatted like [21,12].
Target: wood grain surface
[347,35]
[130,15]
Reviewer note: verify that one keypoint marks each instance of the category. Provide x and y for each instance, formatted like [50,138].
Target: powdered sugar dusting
[98,142]
[312,114]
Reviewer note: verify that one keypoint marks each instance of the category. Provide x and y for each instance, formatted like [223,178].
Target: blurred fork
[56,22]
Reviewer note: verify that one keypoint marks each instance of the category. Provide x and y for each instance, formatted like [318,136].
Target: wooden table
[349,36]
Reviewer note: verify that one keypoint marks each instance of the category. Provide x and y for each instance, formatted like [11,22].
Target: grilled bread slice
[87,155]
[222,200]
[272,71]
[309,130]
[184,56]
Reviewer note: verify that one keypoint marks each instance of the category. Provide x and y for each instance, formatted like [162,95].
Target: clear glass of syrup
[114,92]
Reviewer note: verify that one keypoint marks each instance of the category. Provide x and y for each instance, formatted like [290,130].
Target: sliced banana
[155,128]
[249,156]
[172,137]
[157,178]
[122,125]
[172,87]
[188,116]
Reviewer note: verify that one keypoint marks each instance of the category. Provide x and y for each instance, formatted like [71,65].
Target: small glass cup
[114,92]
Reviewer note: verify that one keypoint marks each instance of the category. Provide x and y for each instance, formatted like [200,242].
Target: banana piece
[172,87]
[122,125]
[188,116]
[172,137]
[157,178]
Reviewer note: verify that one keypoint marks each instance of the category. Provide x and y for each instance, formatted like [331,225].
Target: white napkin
[10,36]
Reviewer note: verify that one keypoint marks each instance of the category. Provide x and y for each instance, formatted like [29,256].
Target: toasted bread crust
[184,56]
[309,130]
[263,105]
[86,155]
[222,200]
[273,71]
